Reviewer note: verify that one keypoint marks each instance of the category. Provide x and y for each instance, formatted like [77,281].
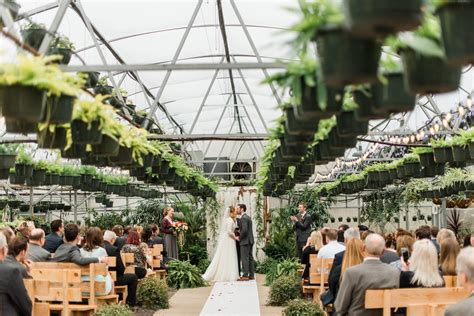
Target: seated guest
[17,249]
[449,252]
[340,237]
[421,270]
[128,279]
[24,229]
[69,251]
[156,235]
[445,233]
[121,239]
[465,270]
[55,239]
[139,250]
[36,252]
[93,249]
[14,299]
[315,242]
[371,274]
[349,234]
[8,233]
[389,255]
[329,251]
[148,238]
[403,241]
[365,233]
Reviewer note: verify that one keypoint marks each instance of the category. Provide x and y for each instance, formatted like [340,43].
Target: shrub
[300,307]
[182,274]
[152,293]
[284,267]
[113,310]
[284,289]
[203,264]
[266,265]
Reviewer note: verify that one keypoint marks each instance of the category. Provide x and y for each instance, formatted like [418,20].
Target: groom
[246,244]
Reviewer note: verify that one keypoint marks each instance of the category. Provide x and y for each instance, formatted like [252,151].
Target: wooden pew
[318,276]
[451,281]
[118,289]
[418,301]
[157,257]
[129,262]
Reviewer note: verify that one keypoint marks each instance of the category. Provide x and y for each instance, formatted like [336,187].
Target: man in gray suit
[465,270]
[303,228]
[246,244]
[36,252]
[371,274]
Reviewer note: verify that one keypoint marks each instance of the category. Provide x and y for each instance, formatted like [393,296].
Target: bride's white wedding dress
[224,266]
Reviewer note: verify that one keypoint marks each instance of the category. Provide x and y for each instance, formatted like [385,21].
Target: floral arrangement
[180,228]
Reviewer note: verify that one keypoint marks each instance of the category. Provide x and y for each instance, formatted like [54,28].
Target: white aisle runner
[233,298]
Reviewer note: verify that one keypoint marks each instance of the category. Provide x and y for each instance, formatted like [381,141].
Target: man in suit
[69,251]
[36,252]
[128,279]
[246,244]
[371,274]
[237,234]
[465,270]
[14,299]
[55,239]
[303,228]
[17,248]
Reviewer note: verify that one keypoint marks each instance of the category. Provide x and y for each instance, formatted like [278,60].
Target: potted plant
[347,126]
[442,150]
[426,70]
[426,156]
[87,119]
[379,18]
[412,165]
[460,149]
[61,45]
[52,173]
[91,79]
[296,127]
[8,153]
[103,87]
[33,34]
[52,136]
[468,138]
[39,172]
[24,164]
[457,40]
[339,219]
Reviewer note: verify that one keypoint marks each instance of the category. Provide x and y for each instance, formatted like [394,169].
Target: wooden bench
[318,276]
[451,281]
[418,301]
[157,257]
[118,289]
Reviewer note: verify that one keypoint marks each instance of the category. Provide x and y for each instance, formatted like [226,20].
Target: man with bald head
[371,274]
[36,252]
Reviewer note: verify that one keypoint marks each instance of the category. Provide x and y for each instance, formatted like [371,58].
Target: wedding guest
[8,233]
[329,251]
[343,227]
[365,233]
[148,238]
[421,270]
[16,257]
[389,255]
[434,230]
[465,270]
[170,237]
[302,224]
[36,252]
[93,248]
[139,250]
[403,241]
[14,299]
[448,254]
[340,237]
[315,242]
[156,234]
[445,233]
[55,238]
[121,239]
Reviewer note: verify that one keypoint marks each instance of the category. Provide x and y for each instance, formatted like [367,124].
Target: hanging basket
[456,28]
[391,97]
[342,142]
[7,161]
[348,126]
[92,79]
[297,127]
[460,153]
[59,109]
[66,54]
[443,154]
[428,75]
[365,110]
[15,126]
[433,170]
[427,159]
[76,151]
[4,173]
[24,103]
[104,90]
[124,156]
[33,37]
[84,133]
[412,169]
[379,18]
[108,147]
[48,140]
[347,59]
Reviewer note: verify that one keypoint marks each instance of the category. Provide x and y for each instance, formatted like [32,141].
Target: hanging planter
[84,133]
[347,59]
[401,172]
[52,138]
[392,96]
[15,126]
[460,153]
[124,156]
[426,159]
[456,21]
[107,147]
[337,141]
[348,126]
[328,153]
[92,79]
[59,109]
[75,151]
[365,110]
[103,89]
[379,18]
[443,154]
[23,103]
[297,127]
[434,170]
[428,74]
[7,160]
[34,35]
[384,176]
[412,169]
[65,53]
[393,174]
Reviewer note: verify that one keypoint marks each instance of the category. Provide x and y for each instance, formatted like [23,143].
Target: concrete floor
[189,302]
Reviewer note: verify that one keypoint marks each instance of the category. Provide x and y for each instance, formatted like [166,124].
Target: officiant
[302,223]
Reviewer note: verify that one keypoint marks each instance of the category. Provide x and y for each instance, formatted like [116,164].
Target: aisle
[191,302]
[233,298]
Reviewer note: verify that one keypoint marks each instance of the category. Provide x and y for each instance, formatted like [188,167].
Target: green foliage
[282,239]
[62,42]
[8,149]
[182,275]
[211,208]
[376,167]
[203,264]
[301,307]
[284,289]
[266,265]
[439,143]
[284,267]
[153,293]
[113,310]
[194,249]
[381,207]
[106,220]
[422,150]
[411,191]
[354,177]
[24,157]
[147,211]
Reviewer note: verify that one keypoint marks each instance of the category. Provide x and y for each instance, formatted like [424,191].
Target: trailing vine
[212,208]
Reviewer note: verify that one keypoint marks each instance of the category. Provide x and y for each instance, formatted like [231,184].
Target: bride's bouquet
[180,228]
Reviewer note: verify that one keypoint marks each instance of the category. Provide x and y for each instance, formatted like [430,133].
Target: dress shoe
[243,279]
[251,278]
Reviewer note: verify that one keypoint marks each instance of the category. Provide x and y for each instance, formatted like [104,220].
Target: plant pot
[65,53]
[52,179]
[347,59]
[292,140]
[433,170]
[124,156]
[107,147]
[39,175]
[14,203]
[412,169]
[32,183]
[24,103]
[456,19]
[4,173]
[427,159]
[391,97]
[104,90]
[16,179]
[460,153]
[23,170]
[15,126]
[92,78]
[33,37]
[341,142]
[393,173]
[76,151]
[428,75]
[401,171]
[24,208]
[76,182]
[443,154]
[339,219]
[116,102]
[7,161]
[384,177]
[379,18]
[59,109]
[83,133]
[48,140]
[296,127]
[65,180]
[328,153]
[139,119]
[348,126]
[365,110]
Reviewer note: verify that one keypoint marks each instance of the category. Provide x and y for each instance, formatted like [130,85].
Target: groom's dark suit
[237,243]
[246,245]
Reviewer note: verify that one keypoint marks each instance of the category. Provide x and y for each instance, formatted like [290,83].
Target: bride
[224,265]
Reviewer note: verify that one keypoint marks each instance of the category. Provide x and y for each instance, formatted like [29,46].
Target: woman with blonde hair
[314,243]
[170,236]
[421,270]
[403,241]
[449,250]
[443,234]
